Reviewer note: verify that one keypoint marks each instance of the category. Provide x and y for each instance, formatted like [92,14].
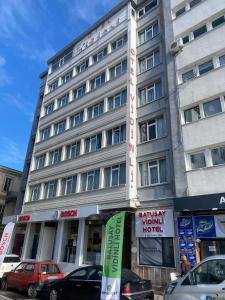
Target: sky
[31,31]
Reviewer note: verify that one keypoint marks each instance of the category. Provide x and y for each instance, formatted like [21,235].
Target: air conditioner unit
[177,46]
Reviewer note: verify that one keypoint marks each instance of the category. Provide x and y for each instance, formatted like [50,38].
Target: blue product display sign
[191,257]
[182,245]
[190,245]
[205,226]
[185,226]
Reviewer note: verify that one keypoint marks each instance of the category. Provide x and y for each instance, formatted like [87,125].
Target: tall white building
[199,50]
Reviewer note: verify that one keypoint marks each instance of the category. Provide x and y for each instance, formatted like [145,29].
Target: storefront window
[93,242]
[70,241]
[19,239]
[156,252]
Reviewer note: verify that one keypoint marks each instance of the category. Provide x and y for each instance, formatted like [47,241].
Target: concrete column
[91,61]
[42,191]
[47,159]
[85,114]
[59,187]
[109,48]
[101,178]
[104,139]
[78,183]
[82,146]
[38,256]
[74,73]
[58,241]
[52,130]
[32,165]
[70,95]
[67,126]
[107,74]
[105,104]
[80,243]
[26,241]
[88,86]
[60,81]
[63,153]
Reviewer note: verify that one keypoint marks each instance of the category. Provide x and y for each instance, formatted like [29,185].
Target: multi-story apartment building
[9,187]
[107,139]
[199,50]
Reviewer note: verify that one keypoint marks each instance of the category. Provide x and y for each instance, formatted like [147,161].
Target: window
[206,67]
[218,156]
[62,60]
[118,69]
[194,2]
[222,60]
[198,160]
[100,55]
[180,11]
[53,86]
[90,181]
[212,107]
[218,21]
[49,108]
[62,101]
[149,33]
[50,189]
[115,175]
[7,185]
[156,252]
[45,133]
[80,91]
[116,135]
[69,242]
[192,114]
[67,77]
[35,192]
[60,127]
[95,110]
[198,32]
[147,8]
[117,100]
[40,162]
[73,150]
[210,272]
[49,268]
[188,75]
[150,93]
[149,62]
[82,67]
[77,119]
[153,172]
[119,43]
[93,143]
[153,129]
[69,185]
[55,156]
[186,39]
[97,81]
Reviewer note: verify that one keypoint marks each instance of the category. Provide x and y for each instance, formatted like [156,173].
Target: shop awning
[201,202]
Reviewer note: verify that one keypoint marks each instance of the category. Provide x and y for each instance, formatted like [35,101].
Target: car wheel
[4,284]
[32,291]
[54,295]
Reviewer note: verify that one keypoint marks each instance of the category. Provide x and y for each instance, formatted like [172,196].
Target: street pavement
[11,295]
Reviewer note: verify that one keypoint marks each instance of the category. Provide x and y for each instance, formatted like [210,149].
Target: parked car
[85,283]
[206,281]
[31,276]
[9,263]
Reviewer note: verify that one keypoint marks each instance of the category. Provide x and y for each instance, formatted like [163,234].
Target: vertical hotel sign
[131,192]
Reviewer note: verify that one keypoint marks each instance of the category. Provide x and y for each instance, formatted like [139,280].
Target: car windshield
[128,275]
[11,259]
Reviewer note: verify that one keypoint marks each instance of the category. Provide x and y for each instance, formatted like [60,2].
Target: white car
[206,281]
[10,262]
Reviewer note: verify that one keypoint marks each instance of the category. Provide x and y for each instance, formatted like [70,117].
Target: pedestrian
[185,266]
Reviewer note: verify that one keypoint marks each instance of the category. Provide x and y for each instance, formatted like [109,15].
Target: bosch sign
[69,213]
[24,218]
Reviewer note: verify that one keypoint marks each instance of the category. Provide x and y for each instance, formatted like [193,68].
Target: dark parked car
[85,284]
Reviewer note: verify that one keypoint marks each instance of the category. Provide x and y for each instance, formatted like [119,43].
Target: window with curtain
[93,143]
[152,129]
[218,155]
[153,172]
[192,114]
[116,135]
[90,180]
[73,150]
[69,185]
[212,107]
[115,175]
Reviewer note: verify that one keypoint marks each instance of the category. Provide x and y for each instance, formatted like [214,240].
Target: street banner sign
[112,264]
[5,240]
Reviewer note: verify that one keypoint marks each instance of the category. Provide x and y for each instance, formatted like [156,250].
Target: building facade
[199,52]
[132,118]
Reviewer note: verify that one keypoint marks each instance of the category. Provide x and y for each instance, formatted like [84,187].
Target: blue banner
[185,226]
[205,226]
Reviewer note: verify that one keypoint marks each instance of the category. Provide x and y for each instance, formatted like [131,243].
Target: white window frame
[39,159]
[77,115]
[35,191]
[71,146]
[60,125]
[51,185]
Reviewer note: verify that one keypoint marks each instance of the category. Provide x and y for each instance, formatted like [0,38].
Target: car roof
[214,257]
[39,262]
[11,255]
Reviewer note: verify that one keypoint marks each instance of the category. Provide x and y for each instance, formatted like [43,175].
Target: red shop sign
[69,213]
[24,218]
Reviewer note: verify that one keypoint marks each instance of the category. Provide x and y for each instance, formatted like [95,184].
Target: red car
[31,276]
